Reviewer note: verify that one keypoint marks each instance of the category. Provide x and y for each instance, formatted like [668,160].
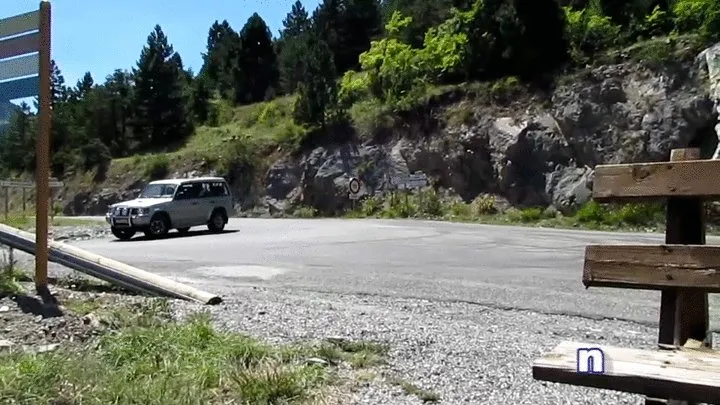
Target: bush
[589,31]
[157,167]
[429,203]
[591,212]
[484,205]
[701,16]
[459,209]
[372,206]
[305,212]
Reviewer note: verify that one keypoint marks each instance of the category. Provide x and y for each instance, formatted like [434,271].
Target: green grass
[427,204]
[27,222]
[240,133]
[149,359]
[412,389]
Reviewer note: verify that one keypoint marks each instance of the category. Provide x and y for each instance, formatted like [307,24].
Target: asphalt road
[498,266]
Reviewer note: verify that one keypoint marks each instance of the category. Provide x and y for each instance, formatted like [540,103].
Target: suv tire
[122,234]
[159,226]
[217,222]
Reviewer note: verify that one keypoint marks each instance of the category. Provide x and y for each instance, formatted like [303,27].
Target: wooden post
[683,313]
[24,198]
[42,172]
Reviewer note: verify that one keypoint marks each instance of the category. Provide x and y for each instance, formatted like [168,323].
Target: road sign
[27,184]
[415,180]
[354,185]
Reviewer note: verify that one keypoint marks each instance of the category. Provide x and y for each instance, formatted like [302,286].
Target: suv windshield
[158,191]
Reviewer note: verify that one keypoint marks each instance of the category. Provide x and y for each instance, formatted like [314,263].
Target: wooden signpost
[25,72]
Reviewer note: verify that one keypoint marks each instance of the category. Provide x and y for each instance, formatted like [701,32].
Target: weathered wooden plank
[20,67]
[21,88]
[20,45]
[653,267]
[685,374]
[27,184]
[620,183]
[20,23]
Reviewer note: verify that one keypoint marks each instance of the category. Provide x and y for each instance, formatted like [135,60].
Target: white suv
[173,204]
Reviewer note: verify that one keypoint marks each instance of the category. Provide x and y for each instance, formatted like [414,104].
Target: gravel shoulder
[465,354]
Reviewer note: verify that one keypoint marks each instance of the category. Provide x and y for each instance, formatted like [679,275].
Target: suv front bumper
[127,221]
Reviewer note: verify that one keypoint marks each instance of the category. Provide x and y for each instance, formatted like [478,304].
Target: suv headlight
[143,211]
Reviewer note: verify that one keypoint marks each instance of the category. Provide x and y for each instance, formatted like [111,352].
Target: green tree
[221,52]
[256,70]
[160,105]
[363,22]
[317,95]
[119,90]
[296,22]
[201,100]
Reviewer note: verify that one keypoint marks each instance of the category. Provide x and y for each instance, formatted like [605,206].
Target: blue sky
[99,36]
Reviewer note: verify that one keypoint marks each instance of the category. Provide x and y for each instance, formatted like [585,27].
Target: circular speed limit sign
[354,185]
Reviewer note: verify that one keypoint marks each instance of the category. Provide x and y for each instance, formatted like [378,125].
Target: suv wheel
[217,222]
[159,226]
[122,234]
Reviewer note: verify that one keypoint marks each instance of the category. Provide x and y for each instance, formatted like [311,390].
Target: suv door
[186,205]
[218,195]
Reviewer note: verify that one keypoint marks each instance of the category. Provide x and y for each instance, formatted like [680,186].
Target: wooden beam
[653,267]
[20,23]
[20,88]
[20,67]
[687,374]
[20,45]
[642,181]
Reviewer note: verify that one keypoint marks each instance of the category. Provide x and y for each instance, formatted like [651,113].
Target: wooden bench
[683,369]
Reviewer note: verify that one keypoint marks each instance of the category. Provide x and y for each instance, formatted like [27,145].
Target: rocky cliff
[534,148]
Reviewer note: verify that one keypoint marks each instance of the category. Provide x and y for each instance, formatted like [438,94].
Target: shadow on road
[175,234]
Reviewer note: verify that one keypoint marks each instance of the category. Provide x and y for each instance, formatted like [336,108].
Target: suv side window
[216,189]
[188,191]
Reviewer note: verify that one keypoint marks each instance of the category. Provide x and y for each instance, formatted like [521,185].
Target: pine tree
[296,22]
[160,115]
[221,53]
[318,92]
[255,72]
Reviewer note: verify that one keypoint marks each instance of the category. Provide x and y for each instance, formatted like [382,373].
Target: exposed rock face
[533,157]
[532,152]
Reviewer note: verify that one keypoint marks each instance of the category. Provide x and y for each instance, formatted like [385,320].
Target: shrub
[372,206]
[591,212]
[429,203]
[484,205]
[589,31]
[698,15]
[157,167]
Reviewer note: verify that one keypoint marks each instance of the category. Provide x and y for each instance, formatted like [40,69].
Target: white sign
[354,185]
[417,180]
[27,184]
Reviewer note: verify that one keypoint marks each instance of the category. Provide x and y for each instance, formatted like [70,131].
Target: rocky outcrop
[533,151]
[531,154]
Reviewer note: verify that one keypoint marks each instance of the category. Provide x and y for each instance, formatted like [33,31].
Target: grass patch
[150,359]
[412,389]
[427,204]
[28,222]
[235,134]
